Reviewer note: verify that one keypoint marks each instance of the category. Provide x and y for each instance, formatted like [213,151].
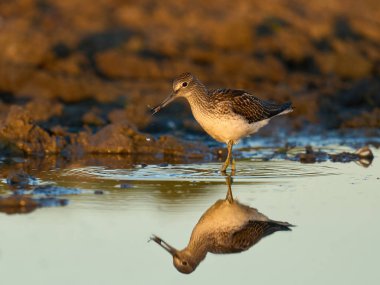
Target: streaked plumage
[227,115]
[246,105]
[226,227]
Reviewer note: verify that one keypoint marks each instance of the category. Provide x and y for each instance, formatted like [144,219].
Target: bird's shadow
[228,226]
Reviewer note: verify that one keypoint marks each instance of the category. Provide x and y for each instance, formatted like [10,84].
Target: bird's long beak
[170,98]
[164,245]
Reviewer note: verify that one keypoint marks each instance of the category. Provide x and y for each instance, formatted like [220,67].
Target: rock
[16,204]
[94,118]
[346,62]
[41,110]
[20,179]
[113,138]
[363,156]
[18,131]
[308,157]
[52,190]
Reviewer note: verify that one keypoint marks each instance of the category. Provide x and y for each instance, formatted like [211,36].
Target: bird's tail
[277,109]
[287,108]
[275,226]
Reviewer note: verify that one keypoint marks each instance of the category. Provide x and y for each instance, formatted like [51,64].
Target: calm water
[102,239]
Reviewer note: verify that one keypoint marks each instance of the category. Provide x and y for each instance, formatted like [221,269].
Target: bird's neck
[199,97]
[197,249]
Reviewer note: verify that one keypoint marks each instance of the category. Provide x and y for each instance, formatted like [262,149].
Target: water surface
[102,239]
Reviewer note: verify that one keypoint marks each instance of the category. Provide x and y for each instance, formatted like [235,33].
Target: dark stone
[343,29]
[269,26]
[61,50]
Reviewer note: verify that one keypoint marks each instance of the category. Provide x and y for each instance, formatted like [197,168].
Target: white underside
[224,216]
[224,129]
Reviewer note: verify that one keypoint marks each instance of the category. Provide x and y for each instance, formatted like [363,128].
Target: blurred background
[81,75]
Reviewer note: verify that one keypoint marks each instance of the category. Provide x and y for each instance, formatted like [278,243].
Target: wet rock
[363,156]
[41,110]
[18,132]
[344,157]
[49,190]
[52,202]
[17,205]
[93,117]
[171,146]
[25,204]
[307,158]
[20,179]
[114,138]
[123,138]
[311,156]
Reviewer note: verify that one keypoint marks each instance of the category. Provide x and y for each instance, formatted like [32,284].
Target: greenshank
[227,115]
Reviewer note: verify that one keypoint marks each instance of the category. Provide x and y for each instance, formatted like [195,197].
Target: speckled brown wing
[253,231]
[248,106]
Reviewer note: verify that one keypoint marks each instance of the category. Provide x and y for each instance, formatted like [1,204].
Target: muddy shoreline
[71,85]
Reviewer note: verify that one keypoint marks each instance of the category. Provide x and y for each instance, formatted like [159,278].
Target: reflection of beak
[164,245]
[170,98]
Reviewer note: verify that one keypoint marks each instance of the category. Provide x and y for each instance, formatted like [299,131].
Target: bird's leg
[228,160]
[229,196]
[233,165]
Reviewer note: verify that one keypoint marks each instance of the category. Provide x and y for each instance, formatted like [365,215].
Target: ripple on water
[248,171]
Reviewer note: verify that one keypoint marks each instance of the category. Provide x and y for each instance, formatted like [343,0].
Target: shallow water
[102,239]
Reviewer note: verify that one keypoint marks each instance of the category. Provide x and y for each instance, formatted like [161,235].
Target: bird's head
[182,259]
[184,85]
[184,262]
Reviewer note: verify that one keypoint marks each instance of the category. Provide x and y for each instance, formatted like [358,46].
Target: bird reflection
[226,227]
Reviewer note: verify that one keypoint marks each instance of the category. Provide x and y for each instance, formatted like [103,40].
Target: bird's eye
[184,84]
[184,263]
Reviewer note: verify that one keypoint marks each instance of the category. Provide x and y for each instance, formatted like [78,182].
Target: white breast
[225,216]
[224,128]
